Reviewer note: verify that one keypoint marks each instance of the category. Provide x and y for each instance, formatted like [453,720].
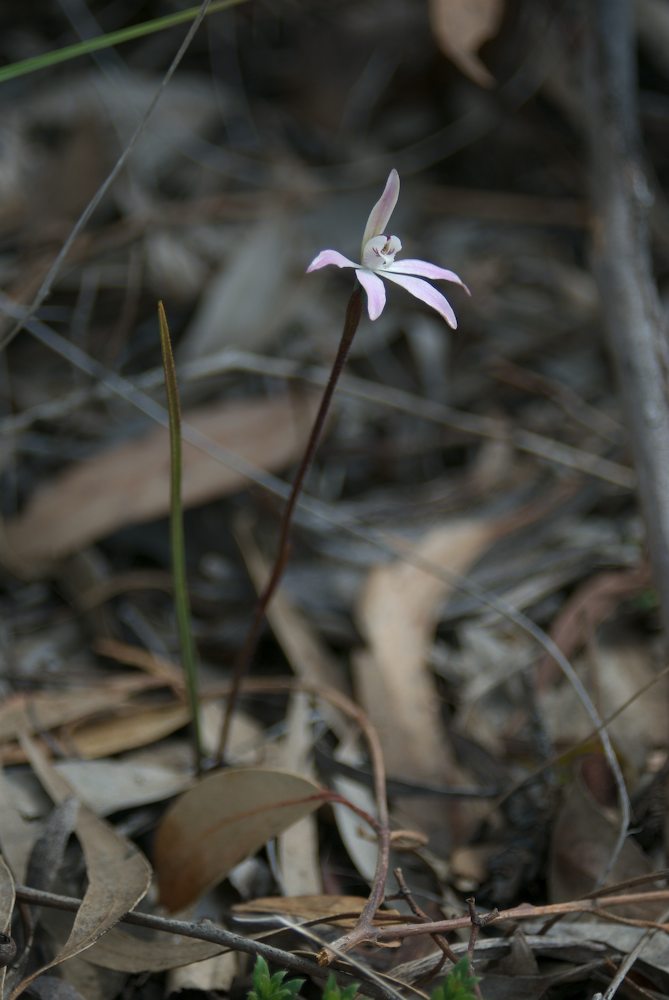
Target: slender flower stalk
[245,655]
[378,260]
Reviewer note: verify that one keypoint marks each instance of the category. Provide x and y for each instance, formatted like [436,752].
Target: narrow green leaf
[178,547]
[78,49]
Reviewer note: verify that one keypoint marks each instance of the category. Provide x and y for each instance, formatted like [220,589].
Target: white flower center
[380,251]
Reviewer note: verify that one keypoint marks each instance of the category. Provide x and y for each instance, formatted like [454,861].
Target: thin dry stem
[441,943]
[228,940]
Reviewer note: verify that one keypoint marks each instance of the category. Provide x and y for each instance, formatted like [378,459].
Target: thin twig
[441,943]
[477,922]
[207,931]
[629,961]
[201,931]
[475,927]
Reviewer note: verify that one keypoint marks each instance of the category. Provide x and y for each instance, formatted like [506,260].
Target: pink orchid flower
[378,260]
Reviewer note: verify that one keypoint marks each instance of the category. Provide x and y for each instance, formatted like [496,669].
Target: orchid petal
[380,251]
[380,214]
[426,293]
[376,293]
[327,257]
[423,269]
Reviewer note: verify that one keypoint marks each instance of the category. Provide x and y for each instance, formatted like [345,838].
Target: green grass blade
[56,56]
[181,601]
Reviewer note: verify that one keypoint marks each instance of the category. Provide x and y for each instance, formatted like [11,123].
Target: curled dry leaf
[461,27]
[220,821]
[118,873]
[129,484]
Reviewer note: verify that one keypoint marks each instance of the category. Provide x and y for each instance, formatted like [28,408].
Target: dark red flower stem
[245,655]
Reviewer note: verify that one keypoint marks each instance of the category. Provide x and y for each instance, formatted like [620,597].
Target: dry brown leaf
[109,785]
[621,669]
[118,873]
[125,952]
[45,710]
[129,484]
[325,909]
[220,821]
[583,839]
[137,726]
[589,605]
[398,613]
[461,27]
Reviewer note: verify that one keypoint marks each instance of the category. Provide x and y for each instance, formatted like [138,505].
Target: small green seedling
[333,991]
[459,984]
[272,987]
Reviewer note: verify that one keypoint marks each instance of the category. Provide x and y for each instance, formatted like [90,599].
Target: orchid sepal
[379,217]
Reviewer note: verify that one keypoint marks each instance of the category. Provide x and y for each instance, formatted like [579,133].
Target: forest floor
[468,627]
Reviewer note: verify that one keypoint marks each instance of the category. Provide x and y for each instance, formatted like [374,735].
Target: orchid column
[378,252]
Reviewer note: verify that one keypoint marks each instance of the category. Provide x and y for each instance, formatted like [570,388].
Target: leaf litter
[500,454]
